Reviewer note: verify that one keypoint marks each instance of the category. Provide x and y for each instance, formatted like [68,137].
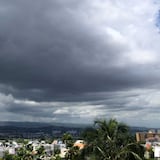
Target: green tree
[41,150]
[7,156]
[67,139]
[25,152]
[112,141]
[73,154]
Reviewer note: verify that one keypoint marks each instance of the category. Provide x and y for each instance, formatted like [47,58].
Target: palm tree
[112,142]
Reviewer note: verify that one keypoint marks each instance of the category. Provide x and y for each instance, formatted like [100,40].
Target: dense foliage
[111,140]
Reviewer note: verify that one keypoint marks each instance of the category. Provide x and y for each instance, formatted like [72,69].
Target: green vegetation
[67,139]
[110,140]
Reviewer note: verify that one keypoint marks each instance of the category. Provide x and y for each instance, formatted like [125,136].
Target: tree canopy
[111,140]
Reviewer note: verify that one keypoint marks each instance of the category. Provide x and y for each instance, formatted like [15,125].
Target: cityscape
[79,80]
[46,141]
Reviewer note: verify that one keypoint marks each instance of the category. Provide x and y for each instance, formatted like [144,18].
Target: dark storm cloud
[76,61]
[47,50]
[26,110]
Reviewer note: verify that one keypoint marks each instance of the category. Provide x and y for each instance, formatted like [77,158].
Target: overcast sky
[74,61]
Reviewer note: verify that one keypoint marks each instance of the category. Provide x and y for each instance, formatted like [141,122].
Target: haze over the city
[74,61]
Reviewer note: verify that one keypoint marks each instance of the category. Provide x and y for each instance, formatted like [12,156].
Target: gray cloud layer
[69,51]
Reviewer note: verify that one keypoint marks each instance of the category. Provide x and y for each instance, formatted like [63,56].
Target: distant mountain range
[40,124]
[59,125]
[38,129]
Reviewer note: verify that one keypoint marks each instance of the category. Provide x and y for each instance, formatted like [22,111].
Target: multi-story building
[150,135]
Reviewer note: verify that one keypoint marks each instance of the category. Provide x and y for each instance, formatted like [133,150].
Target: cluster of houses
[50,149]
[151,141]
